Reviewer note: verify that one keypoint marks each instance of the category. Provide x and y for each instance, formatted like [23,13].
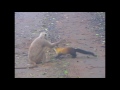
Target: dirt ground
[84,30]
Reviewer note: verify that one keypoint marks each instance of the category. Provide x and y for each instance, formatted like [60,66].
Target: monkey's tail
[85,52]
[21,67]
[25,67]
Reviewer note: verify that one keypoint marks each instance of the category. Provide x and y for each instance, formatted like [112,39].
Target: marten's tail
[85,52]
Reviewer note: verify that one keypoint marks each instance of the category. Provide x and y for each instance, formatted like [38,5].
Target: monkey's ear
[43,31]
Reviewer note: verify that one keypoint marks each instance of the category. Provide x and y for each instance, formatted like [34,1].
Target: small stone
[26,26]
[67,44]
[91,47]
[24,54]
[95,49]
[91,72]
[88,57]
[103,41]
[103,46]
[44,73]
[46,29]
[31,74]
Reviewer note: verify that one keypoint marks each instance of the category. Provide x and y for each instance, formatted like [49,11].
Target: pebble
[46,29]
[31,74]
[44,73]
[67,44]
[24,54]
[91,72]
[88,57]
[26,26]
[95,49]
[103,46]
[91,47]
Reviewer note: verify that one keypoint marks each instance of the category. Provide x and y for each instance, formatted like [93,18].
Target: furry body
[37,50]
[72,51]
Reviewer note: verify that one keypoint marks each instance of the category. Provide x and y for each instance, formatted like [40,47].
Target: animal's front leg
[58,56]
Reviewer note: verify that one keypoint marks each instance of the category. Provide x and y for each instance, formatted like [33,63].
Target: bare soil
[85,30]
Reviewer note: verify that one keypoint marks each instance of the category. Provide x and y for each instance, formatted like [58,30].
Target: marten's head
[43,35]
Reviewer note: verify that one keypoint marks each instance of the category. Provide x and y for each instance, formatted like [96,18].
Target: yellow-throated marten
[72,51]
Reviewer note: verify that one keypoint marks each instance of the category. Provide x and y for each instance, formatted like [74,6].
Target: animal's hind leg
[33,64]
[73,55]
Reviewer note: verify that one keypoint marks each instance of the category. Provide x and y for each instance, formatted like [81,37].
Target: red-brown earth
[84,30]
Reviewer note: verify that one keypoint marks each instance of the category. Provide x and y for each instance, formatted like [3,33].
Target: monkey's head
[43,35]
